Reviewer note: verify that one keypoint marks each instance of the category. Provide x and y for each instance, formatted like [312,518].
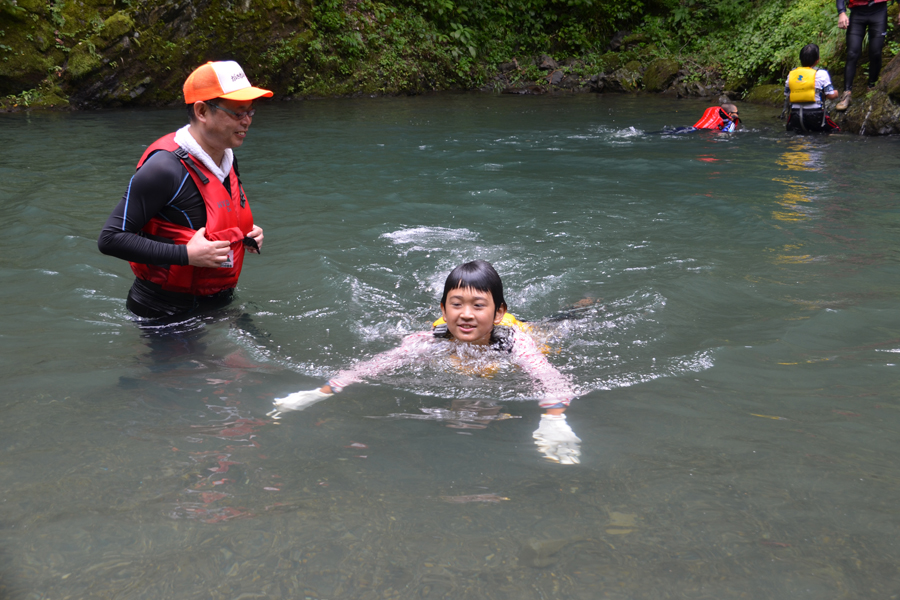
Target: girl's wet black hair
[479,275]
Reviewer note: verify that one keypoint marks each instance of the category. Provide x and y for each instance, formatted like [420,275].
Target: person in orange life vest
[806,90]
[724,118]
[864,14]
[184,221]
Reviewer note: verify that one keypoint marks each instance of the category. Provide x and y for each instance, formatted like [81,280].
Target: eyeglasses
[237,115]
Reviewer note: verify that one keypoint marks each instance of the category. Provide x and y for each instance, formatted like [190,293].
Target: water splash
[862,129]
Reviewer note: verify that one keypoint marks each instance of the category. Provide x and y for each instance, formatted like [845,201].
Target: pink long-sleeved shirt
[525,354]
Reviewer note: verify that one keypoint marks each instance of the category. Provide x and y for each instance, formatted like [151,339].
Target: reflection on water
[725,305]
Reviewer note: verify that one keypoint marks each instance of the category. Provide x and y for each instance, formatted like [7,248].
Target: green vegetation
[113,52]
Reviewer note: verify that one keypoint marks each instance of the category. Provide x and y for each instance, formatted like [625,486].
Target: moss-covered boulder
[873,114]
[634,40]
[660,73]
[770,95]
[83,59]
[114,28]
[610,61]
[625,80]
[889,81]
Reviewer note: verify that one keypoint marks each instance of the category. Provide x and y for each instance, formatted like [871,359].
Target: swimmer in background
[474,321]
[725,118]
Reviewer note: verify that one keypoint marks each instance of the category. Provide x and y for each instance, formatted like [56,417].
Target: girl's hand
[299,400]
[556,440]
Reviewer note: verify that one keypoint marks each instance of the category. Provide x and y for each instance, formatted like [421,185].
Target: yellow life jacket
[488,371]
[508,320]
[802,85]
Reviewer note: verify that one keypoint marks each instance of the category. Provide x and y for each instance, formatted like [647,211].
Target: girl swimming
[474,320]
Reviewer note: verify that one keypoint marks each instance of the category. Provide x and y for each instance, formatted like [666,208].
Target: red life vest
[713,118]
[228,218]
[858,3]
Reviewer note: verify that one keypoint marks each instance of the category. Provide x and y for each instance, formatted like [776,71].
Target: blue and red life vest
[715,117]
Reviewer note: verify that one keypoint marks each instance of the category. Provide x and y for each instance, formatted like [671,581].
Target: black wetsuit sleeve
[841,6]
[161,187]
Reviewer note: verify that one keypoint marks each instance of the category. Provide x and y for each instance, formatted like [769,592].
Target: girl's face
[471,315]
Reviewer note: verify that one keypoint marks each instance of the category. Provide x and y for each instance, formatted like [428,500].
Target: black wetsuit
[161,188]
[874,18]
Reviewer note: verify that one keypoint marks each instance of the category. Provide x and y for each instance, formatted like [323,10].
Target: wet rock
[695,88]
[572,82]
[546,63]
[889,81]
[610,62]
[875,114]
[555,77]
[626,80]
[528,89]
[736,85]
[770,95]
[507,67]
[659,74]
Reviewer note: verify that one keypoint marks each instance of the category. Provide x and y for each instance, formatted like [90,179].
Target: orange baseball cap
[221,79]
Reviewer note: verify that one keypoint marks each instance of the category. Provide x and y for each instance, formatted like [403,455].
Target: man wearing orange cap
[184,222]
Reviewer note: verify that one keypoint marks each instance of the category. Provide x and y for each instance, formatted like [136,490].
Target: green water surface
[736,362]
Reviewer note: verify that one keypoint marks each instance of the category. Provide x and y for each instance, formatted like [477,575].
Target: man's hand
[204,253]
[844,21]
[257,234]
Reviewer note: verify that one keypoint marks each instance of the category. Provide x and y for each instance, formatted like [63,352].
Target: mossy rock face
[890,79]
[26,51]
[660,73]
[635,39]
[873,114]
[736,84]
[610,62]
[50,96]
[627,79]
[82,60]
[770,95]
[114,28]
[634,65]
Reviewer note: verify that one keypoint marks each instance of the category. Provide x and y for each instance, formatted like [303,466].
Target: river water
[735,351]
